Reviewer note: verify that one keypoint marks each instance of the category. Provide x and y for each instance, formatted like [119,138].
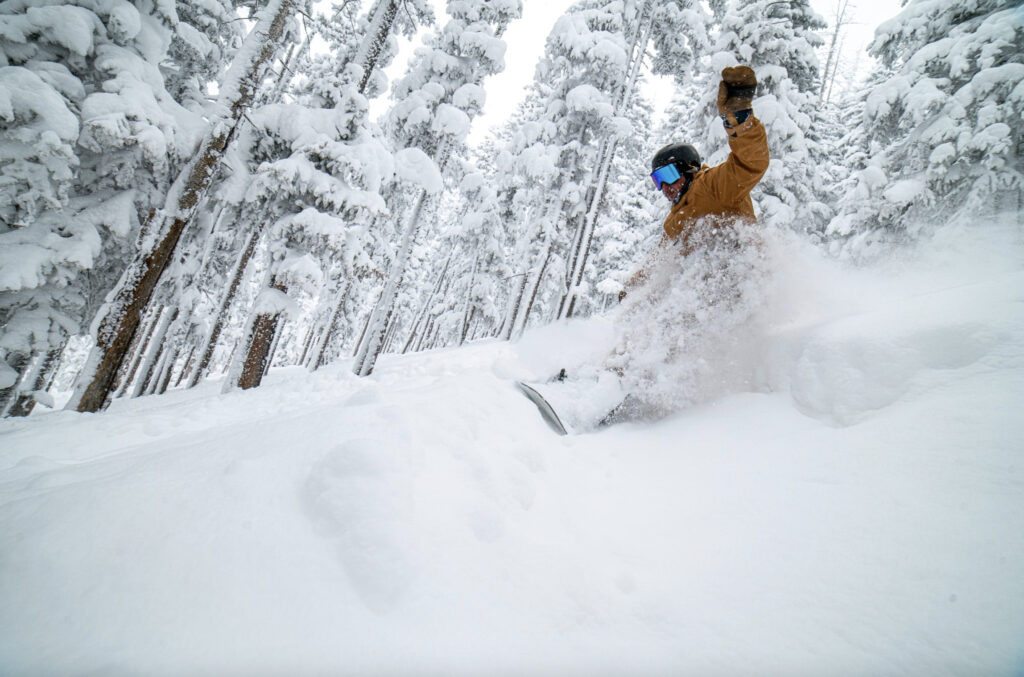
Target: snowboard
[576,408]
[547,412]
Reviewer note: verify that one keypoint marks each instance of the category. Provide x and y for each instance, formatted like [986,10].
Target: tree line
[199,186]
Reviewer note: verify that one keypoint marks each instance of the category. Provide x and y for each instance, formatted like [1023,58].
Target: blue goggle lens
[666,174]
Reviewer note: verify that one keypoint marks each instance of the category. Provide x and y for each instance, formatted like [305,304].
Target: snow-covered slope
[863,513]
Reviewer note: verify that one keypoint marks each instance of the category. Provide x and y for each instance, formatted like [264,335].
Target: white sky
[525,39]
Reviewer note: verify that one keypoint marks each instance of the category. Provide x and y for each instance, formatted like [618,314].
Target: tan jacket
[722,191]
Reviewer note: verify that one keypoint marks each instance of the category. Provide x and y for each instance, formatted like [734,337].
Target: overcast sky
[525,39]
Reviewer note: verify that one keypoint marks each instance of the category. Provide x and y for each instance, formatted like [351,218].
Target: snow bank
[859,509]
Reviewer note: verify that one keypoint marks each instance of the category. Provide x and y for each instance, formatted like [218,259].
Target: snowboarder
[709,205]
[697,191]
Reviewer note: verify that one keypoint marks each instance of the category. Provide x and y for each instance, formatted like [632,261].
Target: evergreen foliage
[777,39]
[100,106]
[940,133]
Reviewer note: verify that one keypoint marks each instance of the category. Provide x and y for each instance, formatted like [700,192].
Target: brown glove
[735,93]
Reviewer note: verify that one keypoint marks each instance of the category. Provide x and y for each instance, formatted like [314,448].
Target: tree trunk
[158,371]
[140,344]
[585,235]
[258,343]
[35,379]
[370,50]
[320,352]
[154,350]
[120,321]
[389,336]
[269,360]
[380,318]
[425,308]
[469,310]
[168,371]
[835,70]
[186,367]
[833,56]
[521,324]
[579,260]
[515,302]
[210,342]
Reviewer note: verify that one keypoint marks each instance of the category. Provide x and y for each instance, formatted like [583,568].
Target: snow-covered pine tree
[115,328]
[633,227]
[463,300]
[940,134]
[435,103]
[531,192]
[578,113]
[620,44]
[483,241]
[94,126]
[778,40]
[320,186]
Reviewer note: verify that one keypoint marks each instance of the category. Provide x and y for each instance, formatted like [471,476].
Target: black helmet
[684,156]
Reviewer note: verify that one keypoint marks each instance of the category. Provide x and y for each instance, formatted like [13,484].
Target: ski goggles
[666,174]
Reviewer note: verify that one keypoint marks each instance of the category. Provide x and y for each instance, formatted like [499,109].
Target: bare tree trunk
[258,343]
[833,54]
[466,325]
[515,302]
[537,232]
[158,371]
[307,343]
[269,361]
[362,334]
[389,336]
[835,69]
[582,252]
[121,317]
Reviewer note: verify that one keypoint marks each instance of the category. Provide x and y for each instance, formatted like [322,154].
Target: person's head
[672,169]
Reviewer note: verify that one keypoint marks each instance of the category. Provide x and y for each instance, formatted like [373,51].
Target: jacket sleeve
[733,180]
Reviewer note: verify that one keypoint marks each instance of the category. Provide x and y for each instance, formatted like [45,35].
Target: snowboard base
[544,407]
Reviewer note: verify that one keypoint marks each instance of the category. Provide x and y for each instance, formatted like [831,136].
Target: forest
[198,188]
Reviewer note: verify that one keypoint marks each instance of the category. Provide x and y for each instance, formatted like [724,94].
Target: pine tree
[120,318]
[778,41]
[95,126]
[434,105]
[940,134]
[581,111]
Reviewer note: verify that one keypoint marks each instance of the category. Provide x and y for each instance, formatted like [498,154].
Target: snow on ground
[862,514]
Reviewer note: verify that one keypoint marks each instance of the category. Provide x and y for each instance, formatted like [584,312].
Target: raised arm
[748,160]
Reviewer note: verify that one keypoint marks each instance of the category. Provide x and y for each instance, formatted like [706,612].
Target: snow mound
[859,365]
